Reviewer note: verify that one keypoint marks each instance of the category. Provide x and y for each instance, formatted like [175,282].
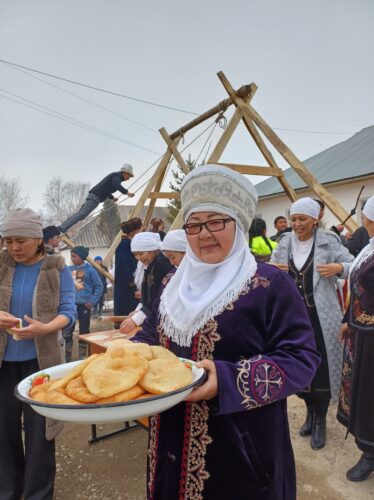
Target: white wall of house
[346,194]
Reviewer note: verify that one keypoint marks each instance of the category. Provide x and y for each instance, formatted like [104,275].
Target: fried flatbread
[165,375]
[139,347]
[77,390]
[133,393]
[146,395]
[159,352]
[38,392]
[58,397]
[75,372]
[117,371]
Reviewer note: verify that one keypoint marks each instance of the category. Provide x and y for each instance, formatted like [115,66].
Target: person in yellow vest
[261,246]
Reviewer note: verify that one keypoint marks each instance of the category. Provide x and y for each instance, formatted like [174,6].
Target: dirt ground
[115,468]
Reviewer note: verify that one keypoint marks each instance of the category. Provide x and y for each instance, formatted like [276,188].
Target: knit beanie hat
[97,258]
[81,251]
[213,188]
[127,169]
[50,232]
[22,222]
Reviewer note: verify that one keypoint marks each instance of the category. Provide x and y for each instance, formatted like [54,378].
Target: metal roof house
[90,236]
[342,169]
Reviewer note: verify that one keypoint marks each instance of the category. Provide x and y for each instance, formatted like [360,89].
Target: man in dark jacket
[51,239]
[358,240]
[104,189]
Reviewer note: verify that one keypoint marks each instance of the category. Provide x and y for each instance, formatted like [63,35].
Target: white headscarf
[175,241]
[139,275]
[368,250]
[368,209]
[306,206]
[200,291]
[145,242]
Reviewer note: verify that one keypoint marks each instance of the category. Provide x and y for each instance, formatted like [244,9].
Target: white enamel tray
[105,413]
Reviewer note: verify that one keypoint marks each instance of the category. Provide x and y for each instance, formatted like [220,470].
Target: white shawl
[199,291]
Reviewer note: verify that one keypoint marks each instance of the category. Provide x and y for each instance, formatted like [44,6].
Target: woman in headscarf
[39,290]
[146,249]
[315,259]
[158,226]
[245,324]
[356,398]
[174,246]
[125,267]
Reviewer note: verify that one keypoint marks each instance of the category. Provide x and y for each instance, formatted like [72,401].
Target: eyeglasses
[213,226]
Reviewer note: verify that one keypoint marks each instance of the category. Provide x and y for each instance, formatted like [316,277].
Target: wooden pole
[225,137]
[140,204]
[241,103]
[245,90]
[173,148]
[300,169]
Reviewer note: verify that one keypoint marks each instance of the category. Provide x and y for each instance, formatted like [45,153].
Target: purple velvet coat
[236,446]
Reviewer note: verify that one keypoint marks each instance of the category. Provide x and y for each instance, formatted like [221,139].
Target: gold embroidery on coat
[199,438]
[152,450]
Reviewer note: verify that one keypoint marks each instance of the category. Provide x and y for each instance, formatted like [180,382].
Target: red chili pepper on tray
[40,379]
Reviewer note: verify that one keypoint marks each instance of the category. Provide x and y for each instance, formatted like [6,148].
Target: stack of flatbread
[125,372]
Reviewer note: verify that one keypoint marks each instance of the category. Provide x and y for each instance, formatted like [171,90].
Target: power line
[92,87]
[123,197]
[83,99]
[9,63]
[73,121]
[313,131]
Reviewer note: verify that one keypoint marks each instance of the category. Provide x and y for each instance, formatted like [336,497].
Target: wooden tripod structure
[254,123]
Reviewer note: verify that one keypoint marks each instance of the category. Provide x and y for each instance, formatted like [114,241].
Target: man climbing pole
[104,189]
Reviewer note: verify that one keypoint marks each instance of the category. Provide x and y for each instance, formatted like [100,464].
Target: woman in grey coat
[315,259]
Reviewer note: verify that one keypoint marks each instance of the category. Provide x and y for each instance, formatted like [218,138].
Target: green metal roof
[347,160]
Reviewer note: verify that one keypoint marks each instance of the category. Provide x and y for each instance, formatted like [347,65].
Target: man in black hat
[103,190]
[51,238]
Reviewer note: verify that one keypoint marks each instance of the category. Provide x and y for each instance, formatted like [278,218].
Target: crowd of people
[262,315]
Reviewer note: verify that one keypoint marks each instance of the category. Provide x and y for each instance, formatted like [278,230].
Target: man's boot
[306,428]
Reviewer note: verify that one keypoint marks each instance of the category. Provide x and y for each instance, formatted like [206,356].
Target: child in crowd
[88,290]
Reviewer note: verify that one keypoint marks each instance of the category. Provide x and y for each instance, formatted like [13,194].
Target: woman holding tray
[39,290]
[245,323]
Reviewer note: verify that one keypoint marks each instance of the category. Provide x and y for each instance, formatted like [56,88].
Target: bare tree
[11,196]
[62,199]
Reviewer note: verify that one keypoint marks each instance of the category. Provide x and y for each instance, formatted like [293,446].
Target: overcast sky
[312,62]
